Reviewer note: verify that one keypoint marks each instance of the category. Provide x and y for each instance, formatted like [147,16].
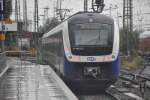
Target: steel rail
[134,75]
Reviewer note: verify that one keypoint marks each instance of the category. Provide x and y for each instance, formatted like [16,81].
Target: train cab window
[92,34]
[90,38]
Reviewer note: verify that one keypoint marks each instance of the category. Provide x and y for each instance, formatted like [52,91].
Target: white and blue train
[84,51]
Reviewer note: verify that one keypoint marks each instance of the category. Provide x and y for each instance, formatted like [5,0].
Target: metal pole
[3,32]
[19,14]
[25,15]
[16,10]
[3,27]
[118,16]
[85,5]
[35,15]
[110,9]
[127,24]
[60,11]
[16,19]
[46,10]
[128,49]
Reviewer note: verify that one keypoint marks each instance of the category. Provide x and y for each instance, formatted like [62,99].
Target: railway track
[135,79]
[102,96]
[113,93]
[134,85]
[122,93]
[129,87]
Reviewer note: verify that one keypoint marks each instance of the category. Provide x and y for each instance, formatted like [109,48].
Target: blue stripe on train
[116,67]
[68,67]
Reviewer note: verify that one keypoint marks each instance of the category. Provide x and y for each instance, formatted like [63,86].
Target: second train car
[84,50]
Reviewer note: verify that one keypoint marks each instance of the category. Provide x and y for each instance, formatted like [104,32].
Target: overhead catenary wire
[36,43]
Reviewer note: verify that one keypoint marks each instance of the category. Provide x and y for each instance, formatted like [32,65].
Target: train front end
[91,51]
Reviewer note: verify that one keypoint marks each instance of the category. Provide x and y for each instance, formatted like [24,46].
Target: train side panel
[53,52]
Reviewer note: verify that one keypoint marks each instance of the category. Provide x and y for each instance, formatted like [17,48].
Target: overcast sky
[73,5]
[141,7]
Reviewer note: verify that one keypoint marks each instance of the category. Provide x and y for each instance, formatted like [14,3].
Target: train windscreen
[90,38]
[92,34]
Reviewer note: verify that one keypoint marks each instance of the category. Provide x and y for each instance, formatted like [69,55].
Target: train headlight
[113,57]
[70,57]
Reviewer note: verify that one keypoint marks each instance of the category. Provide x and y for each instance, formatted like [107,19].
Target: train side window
[53,43]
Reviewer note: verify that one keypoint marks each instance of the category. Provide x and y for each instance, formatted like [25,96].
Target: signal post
[2,33]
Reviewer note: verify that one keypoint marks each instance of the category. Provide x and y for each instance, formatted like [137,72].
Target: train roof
[145,34]
[81,16]
[85,15]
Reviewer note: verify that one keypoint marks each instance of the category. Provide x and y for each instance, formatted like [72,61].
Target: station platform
[29,81]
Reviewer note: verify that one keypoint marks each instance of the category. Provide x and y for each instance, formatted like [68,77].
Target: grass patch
[131,62]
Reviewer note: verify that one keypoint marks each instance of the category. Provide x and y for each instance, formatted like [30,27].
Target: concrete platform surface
[28,81]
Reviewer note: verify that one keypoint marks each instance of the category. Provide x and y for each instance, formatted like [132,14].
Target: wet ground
[28,81]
